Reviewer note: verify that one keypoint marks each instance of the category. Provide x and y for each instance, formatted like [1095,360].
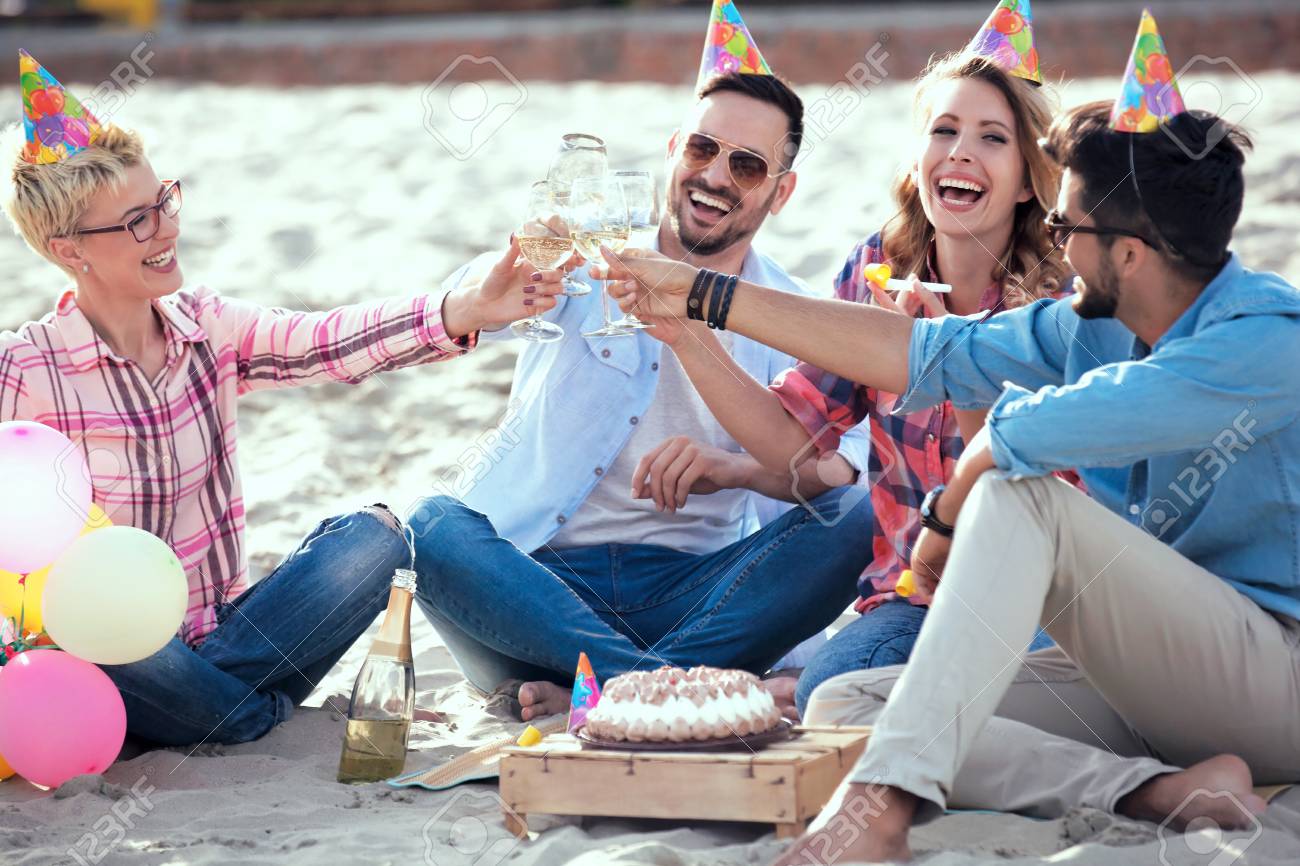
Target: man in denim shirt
[567,544]
[1171,382]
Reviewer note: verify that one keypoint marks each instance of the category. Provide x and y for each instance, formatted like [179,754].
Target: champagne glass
[643,218]
[579,155]
[544,240]
[598,215]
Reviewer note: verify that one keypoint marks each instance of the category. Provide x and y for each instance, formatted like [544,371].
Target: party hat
[586,692]
[1007,38]
[1150,94]
[56,123]
[728,47]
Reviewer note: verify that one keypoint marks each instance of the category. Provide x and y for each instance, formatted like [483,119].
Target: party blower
[879,274]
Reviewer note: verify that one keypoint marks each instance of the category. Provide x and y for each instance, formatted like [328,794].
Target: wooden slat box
[785,784]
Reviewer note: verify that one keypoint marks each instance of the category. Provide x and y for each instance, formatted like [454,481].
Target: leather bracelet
[715,298]
[728,292]
[695,300]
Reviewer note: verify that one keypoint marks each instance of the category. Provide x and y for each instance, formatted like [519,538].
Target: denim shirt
[1194,439]
[574,403]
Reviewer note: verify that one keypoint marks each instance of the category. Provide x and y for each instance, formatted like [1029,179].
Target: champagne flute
[598,215]
[579,155]
[643,218]
[544,240]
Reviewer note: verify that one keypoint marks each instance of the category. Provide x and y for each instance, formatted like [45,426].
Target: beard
[741,224]
[1099,299]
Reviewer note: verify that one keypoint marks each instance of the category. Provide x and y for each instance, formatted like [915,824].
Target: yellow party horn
[879,274]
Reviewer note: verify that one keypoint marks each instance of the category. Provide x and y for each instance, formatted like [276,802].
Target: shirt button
[600,471]
[1133,509]
[167,458]
[604,353]
[931,437]
[560,519]
[654,366]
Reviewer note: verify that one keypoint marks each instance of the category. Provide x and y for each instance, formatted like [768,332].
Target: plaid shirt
[162,453]
[910,454]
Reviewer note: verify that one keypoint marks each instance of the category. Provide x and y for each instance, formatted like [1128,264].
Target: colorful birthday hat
[728,47]
[586,692]
[1150,94]
[56,123]
[1007,38]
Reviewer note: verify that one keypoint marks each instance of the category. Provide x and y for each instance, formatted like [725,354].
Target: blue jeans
[881,637]
[505,614]
[272,644]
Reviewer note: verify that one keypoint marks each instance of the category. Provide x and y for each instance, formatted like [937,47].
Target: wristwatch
[929,513]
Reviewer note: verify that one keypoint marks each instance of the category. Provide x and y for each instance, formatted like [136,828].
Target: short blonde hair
[47,201]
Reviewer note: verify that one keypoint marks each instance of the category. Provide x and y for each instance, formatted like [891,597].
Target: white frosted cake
[672,705]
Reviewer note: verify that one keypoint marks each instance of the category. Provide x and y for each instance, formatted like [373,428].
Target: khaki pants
[1159,665]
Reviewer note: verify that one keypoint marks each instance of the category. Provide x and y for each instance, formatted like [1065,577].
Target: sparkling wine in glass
[578,155]
[643,220]
[598,216]
[544,240]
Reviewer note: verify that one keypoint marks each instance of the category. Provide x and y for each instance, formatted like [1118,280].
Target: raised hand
[648,283]
[503,295]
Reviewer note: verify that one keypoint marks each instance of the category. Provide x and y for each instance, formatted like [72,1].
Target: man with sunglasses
[1172,590]
[552,554]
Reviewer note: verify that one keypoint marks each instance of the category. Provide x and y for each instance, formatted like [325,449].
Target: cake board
[785,784]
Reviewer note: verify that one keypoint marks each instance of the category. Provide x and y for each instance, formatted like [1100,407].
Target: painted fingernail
[536,276]
[528,302]
[530,289]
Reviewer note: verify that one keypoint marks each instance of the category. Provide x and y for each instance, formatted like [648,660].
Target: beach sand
[313,198]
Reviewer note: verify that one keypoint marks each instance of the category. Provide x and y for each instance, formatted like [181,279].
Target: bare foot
[863,823]
[781,687]
[1214,790]
[542,698]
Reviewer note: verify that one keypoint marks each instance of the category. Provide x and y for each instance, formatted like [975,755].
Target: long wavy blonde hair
[1029,268]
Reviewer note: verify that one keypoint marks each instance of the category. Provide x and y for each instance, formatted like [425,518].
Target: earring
[85,269]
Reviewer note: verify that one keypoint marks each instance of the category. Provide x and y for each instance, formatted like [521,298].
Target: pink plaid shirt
[162,453]
[910,454]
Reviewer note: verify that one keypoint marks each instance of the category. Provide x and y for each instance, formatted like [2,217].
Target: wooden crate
[785,784]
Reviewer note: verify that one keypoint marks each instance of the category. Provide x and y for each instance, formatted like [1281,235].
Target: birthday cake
[675,706]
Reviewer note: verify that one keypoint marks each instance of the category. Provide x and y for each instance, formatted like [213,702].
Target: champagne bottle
[383,697]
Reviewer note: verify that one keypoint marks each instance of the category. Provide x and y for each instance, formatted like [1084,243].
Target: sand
[312,198]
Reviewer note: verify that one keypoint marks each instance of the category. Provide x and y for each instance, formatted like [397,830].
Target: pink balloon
[45,500]
[59,717]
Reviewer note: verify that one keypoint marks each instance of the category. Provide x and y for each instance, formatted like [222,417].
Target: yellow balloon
[13,590]
[5,770]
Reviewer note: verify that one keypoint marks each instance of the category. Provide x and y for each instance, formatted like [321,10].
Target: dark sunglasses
[1059,230]
[144,225]
[698,151]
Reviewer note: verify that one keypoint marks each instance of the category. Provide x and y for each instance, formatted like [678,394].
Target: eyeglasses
[1059,230]
[144,225]
[748,169]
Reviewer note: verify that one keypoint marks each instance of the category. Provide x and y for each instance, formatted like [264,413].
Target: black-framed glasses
[144,225]
[1059,230]
[698,150]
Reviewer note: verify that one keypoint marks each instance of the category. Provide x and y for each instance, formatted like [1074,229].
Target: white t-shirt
[610,515]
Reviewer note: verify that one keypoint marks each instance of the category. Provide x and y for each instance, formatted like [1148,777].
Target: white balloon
[46,496]
[115,596]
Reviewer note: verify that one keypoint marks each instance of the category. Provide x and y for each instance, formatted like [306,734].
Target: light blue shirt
[1196,438]
[574,404]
